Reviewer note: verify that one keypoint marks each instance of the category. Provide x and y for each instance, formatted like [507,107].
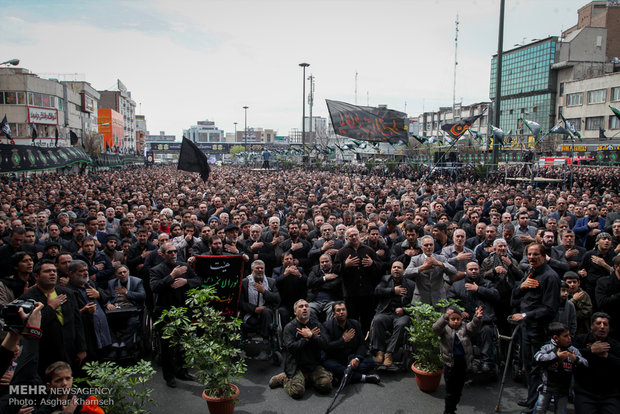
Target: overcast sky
[186,61]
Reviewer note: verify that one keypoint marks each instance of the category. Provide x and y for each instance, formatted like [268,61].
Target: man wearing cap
[232,245]
[51,250]
[109,249]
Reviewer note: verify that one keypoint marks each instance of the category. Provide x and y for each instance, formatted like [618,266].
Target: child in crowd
[566,312]
[581,300]
[456,351]
[558,359]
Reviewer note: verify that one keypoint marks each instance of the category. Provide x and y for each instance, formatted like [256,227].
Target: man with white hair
[429,270]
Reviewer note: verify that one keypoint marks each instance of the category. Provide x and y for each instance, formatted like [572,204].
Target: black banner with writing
[17,158]
[225,273]
[368,123]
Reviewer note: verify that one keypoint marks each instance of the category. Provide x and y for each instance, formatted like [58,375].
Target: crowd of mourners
[337,255]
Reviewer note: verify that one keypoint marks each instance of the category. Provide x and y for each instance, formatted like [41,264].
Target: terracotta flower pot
[223,405]
[427,381]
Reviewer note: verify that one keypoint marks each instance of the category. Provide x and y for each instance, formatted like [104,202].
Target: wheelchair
[252,341]
[402,358]
[143,337]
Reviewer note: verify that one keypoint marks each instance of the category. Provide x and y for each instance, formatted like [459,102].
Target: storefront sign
[37,115]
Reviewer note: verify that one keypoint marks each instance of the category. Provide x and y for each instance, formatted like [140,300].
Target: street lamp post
[303,112]
[235,131]
[245,130]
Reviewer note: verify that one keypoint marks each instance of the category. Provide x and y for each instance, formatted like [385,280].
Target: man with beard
[112,223]
[116,257]
[376,242]
[138,252]
[292,283]
[430,271]
[587,228]
[79,233]
[608,295]
[482,250]
[596,386]
[185,242]
[304,339]
[93,231]
[60,319]
[474,291]
[562,212]
[324,287]
[170,281]
[404,251]
[357,265]
[62,267]
[457,254]
[394,294]
[91,302]
[232,245]
[346,346]
[99,267]
[216,246]
[537,297]
[258,249]
[258,303]
[297,246]
[596,263]
[327,244]
[201,247]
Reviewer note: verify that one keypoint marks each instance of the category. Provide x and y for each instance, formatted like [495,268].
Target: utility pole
[456,44]
[310,101]
[498,81]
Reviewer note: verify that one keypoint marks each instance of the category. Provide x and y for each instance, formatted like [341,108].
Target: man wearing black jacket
[537,297]
[596,386]
[171,280]
[346,346]
[64,334]
[324,287]
[304,339]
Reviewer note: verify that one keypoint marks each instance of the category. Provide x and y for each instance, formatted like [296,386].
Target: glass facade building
[528,86]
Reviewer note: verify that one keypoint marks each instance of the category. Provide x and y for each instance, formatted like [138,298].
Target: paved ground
[396,394]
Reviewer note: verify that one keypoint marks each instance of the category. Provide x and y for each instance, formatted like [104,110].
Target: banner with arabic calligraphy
[368,123]
[17,158]
[225,273]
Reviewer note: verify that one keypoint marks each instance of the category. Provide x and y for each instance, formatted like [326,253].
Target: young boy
[581,300]
[566,312]
[456,351]
[558,360]
[59,379]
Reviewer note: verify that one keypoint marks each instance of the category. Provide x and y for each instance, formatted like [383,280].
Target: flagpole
[498,81]
[572,161]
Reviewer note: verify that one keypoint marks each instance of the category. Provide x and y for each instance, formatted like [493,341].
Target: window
[21,98]
[615,94]
[597,96]
[10,98]
[594,122]
[614,122]
[561,88]
[574,99]
[576,122]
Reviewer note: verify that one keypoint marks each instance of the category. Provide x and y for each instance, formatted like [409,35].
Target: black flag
[193,160]
[456,129]
[56,137]
[6,128]
[368,123]
[34,133]
[74,138]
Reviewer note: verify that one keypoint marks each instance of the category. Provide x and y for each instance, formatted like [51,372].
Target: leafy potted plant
[210,342]
[427,362]
[124,387]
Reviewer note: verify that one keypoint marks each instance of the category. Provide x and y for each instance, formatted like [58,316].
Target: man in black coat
[64,335]
[346,346]
[170,281]
[608,295]
[474,291]
[304,339]
[292,284]
[596,386]
[324,287]
[394,294]
[360,271]
[537,297]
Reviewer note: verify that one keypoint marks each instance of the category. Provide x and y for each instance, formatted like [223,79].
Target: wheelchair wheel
[147,333]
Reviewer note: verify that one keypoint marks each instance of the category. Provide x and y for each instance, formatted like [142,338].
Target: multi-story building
[204,131]
[588,71]
[429,123]
[121,101]
[141,133]
[528,85]
[53,108]
[112,128]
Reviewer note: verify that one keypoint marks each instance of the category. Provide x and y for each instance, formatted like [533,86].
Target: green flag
[498,134]
[571,128]
[616,111]
[557,129]
[534,128]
